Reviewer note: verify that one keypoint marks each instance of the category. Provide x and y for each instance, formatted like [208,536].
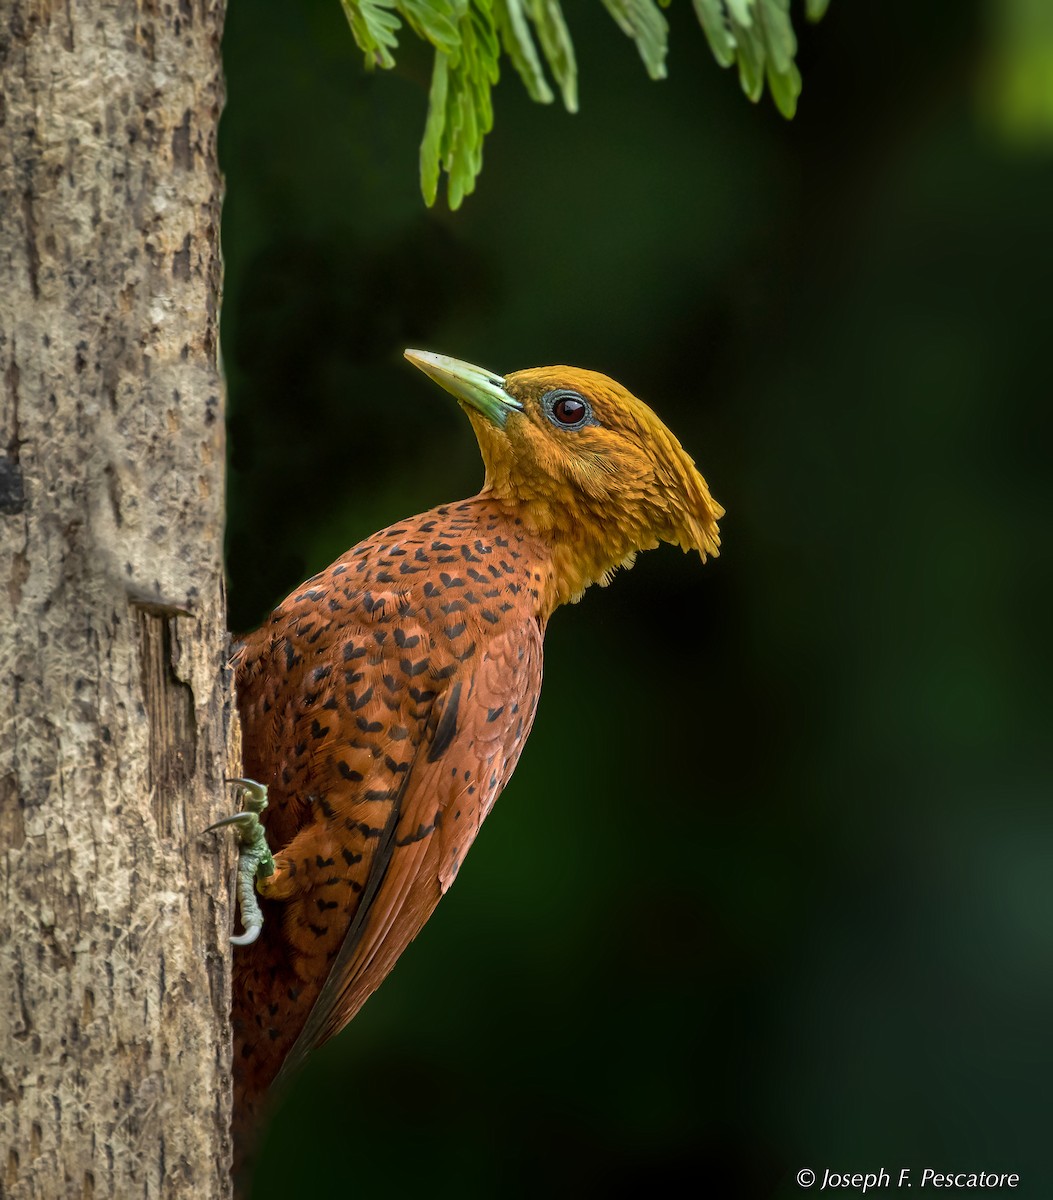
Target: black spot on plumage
[467,653]
[350,857]
[398,733]
[491,593]
[363,827]
[478,576]
[368,726]
[319,861]
[447,558]
[404,642]
[299,749]
[409,569]
[450,581]
[490,616]
[445,672]
[319,931]
[379,636]
[397,551]
[291,657]
[339,569]
[422,695]
[320,673]
[327,809]
[422,831]
[413,669]
[454,606]
[325,905]
[420,556]
[314,595]
[357,701]
[471,597]
[493,713]
[378,794]
[345,770]
[468,556]
[427,527]
[396,768]
[430,589]
[331,704]
[446,726]
[352,651]
[481,548]
[318,730]
[454,631]
[383,577]
[334,604]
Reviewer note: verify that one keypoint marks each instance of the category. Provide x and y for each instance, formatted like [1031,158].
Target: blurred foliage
[1018,81]
[770,887]
[468,35]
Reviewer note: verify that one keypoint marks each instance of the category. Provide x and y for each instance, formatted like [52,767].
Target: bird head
[583,461]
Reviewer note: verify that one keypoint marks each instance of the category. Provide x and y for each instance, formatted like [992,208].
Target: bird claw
[255,860]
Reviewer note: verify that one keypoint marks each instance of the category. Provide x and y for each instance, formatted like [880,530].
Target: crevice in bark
[169,704]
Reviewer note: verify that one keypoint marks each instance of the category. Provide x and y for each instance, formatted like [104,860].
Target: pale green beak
[482,390]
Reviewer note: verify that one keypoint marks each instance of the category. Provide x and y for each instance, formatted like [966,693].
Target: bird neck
[573,549]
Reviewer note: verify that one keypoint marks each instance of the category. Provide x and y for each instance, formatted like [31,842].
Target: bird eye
[567,409]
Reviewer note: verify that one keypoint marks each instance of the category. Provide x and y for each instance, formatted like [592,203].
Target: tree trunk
[114,915]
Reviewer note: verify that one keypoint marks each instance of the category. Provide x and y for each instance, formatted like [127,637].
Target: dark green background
[797,911]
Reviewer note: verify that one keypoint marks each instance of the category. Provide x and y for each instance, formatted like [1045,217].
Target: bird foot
[255,860]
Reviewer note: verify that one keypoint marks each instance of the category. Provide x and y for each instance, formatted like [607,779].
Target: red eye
[566,408]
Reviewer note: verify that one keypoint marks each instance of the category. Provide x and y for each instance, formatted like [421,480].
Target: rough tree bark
[114,987]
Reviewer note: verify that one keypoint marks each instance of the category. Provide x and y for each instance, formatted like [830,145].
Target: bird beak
[479,389]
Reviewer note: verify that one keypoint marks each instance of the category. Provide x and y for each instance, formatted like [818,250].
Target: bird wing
[475,733]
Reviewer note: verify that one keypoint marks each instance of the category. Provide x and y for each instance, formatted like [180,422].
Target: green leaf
[519,46]
[642,20]
[373,25]
[434,21]
[773,17]
[750,59]
[435,126]
[815,9]
[718,33]
[739,11]
[555,41]
[469,115]
[785,89]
